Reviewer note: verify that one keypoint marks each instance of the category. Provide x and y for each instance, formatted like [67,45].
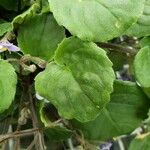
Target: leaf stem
[118,48]
[39,134]
[16,134]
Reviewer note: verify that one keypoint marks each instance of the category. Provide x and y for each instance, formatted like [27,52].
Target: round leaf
[96,20]
[39,36]
[142,27]
[80,81]
[141,67]
[8,80]
[125,112]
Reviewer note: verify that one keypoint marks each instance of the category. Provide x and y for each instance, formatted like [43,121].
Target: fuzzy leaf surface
[96,20]
[125,112]
[80,80]
[8,81]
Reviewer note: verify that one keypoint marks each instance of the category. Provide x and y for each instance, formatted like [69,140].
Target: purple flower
[6,45]
[106,146]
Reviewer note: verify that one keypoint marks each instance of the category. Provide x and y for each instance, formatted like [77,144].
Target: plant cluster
[75,74]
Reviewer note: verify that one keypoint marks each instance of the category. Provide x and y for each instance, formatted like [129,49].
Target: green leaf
[39,36]
[9,4]
[141,69]
[18,20]
[54,131]
[142,27]
[45,6]
[57,133]
[43,114]
[96,20]
[125,112]
[141,142]
[4,27]
[8,80]
[145,41]
[141,66]
[80,81]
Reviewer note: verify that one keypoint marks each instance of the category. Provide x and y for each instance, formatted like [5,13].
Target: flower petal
[4,44]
